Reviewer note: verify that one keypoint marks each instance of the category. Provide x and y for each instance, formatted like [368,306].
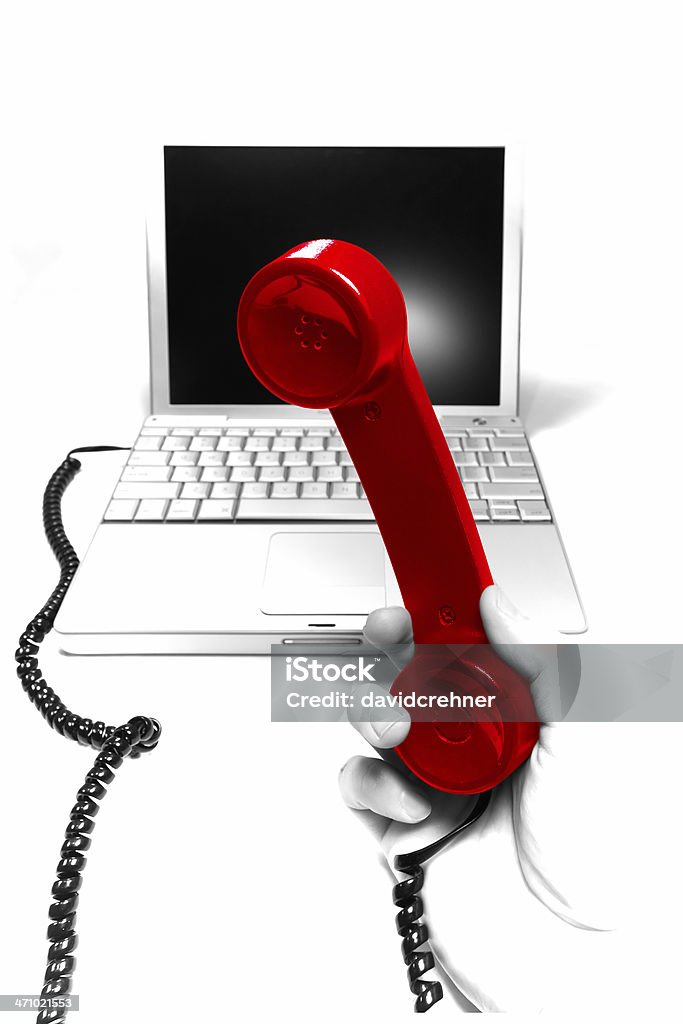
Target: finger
[523,644]
[515,638]
[367,783]
[391,631]
[388,733]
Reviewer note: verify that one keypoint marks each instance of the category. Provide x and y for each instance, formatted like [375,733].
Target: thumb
[528,647]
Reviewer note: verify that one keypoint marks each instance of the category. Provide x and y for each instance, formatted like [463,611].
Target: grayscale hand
[536,907]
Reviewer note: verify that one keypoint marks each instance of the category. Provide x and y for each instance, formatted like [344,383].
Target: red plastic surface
[325,326]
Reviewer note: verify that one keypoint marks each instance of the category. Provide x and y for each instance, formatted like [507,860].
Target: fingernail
[505,605]
[382,730]
[415,807]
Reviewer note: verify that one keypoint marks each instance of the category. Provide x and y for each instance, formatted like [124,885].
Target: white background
[225,872]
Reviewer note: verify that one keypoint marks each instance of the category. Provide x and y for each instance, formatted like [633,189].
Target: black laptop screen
[434,217]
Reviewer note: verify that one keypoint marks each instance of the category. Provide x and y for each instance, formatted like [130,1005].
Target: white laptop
[239,522]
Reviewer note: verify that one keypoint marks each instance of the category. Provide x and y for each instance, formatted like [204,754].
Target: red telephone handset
[325,326]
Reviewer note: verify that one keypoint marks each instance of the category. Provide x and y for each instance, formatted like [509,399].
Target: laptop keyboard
[217,474]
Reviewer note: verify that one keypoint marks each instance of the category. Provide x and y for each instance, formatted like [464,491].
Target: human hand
[554,865]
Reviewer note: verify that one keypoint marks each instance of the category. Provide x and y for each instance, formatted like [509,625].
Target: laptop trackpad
[324,574]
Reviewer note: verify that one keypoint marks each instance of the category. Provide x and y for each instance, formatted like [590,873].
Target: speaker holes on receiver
[316,335]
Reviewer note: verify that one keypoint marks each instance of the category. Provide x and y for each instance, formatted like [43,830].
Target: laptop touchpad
[324,573]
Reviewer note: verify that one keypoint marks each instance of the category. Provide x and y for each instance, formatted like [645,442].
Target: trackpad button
[324,574]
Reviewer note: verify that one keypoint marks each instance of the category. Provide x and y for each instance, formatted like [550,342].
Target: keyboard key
[196,490]
[142,490]
[267,459]
[211,459]
[154,474]
[344,459]
[311,444]
[239,459]
[283,444]
[464,458]
[203,444]
[257,444]
[499,515]
[475,444]
[491,458]
[138,458]
[351,474]
[148,444]
[519,458]
[237,432]
[480,510]
[224,491]
[151,510]
[120,510]
[186,474]
[239,475]
[292,432]
[174,444]
[324,459]
[345,491]
[272,473]
[251,490]
[513,432]
[265,432]
[184,431]
[470,491]
[454,443]
[213,474]
[316,491]
[514,491]
[473,474]
[295,459]
[329,474]
[300,473]
[335,444]
[230,444]
[210,432]
[318,432]
[300,508]
[534,511]
[154,432]
[181,510]
[280,490]
[451,432]
[184,458]
[513,475]
[480,432]
[508,444]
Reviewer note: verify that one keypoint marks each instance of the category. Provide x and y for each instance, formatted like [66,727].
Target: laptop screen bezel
[158,319]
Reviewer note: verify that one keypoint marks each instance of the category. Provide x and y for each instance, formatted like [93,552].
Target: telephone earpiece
[325,326]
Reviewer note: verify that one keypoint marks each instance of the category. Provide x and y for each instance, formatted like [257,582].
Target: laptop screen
[433,216]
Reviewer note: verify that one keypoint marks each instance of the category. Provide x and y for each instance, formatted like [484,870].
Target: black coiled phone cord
[139,735]
[412,930]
